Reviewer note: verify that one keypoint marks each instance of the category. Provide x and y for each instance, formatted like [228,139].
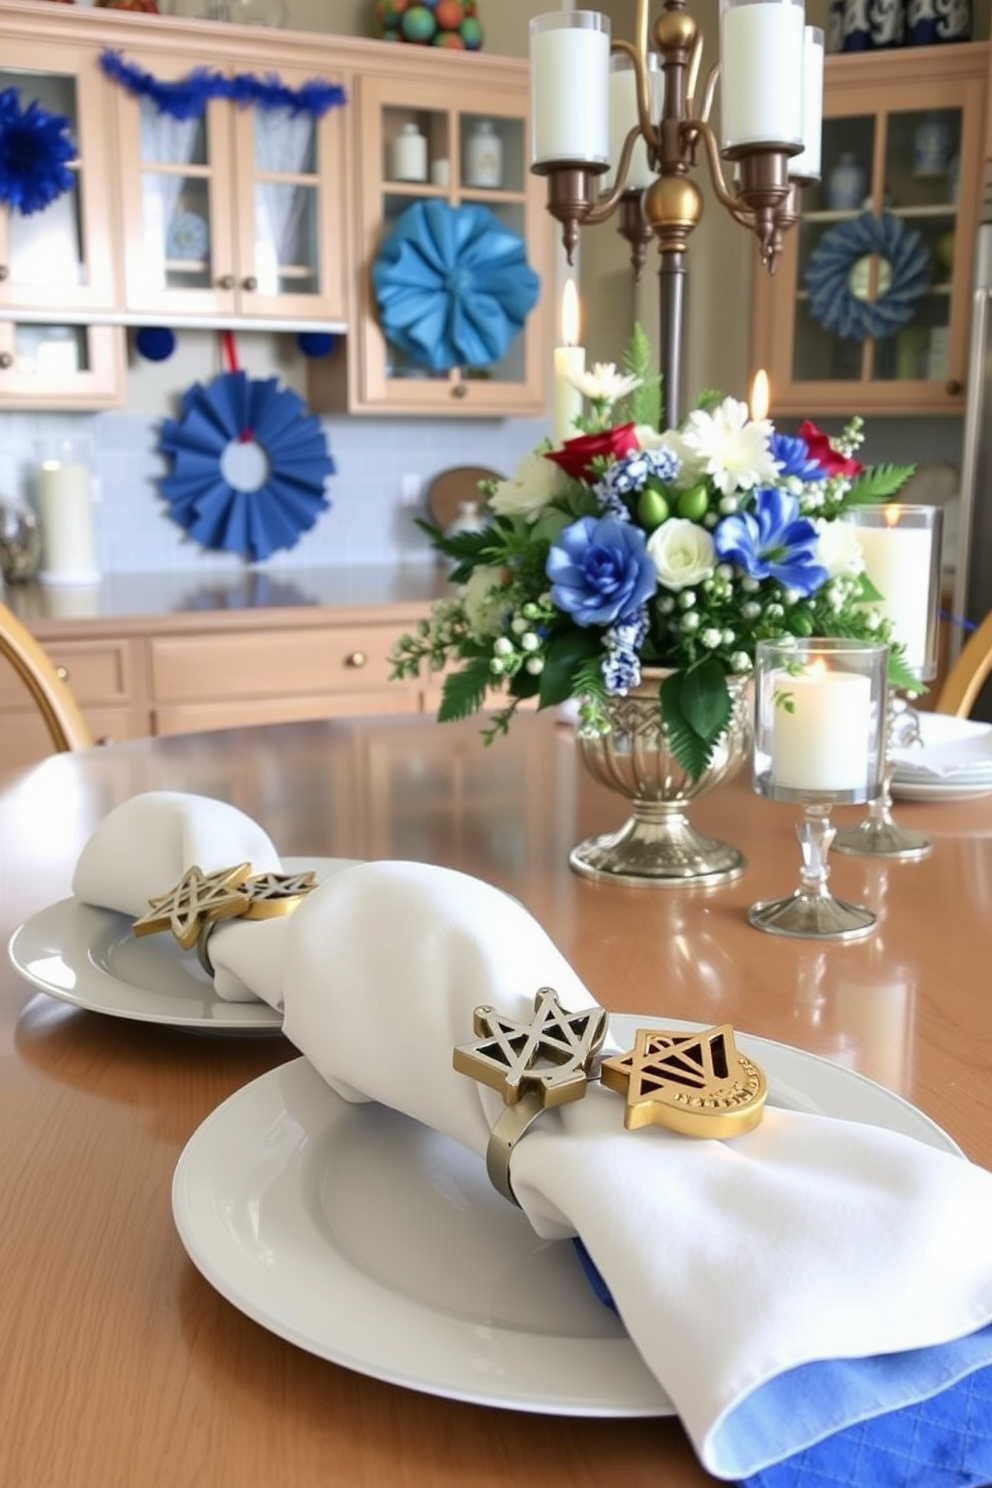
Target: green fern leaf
[464,692]
[878,483]
[643,405]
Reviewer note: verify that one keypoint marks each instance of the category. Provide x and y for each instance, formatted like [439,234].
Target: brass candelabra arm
[606,204]
[709,93]
[695,129]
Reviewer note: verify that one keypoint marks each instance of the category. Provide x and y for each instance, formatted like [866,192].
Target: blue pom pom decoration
[316,343]
[155,343]
[832,301]
[35,149]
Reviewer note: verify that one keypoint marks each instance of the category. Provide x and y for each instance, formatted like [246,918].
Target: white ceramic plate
[90,957]
[952,749]
[369,1240]
[940,790]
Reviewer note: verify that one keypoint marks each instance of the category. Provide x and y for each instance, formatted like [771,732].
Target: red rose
[576,455]
[821,450]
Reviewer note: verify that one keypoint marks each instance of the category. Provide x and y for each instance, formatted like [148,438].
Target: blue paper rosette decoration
[248,466]
[453,286]
[837,285]
[35,151]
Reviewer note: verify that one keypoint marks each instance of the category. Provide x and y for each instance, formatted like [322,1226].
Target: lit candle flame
[570,314]
[760,395]
[893,513]
[817,668]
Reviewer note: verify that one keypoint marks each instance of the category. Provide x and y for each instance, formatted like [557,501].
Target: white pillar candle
[821,729]
[807,166]
[762,45]
[898,563]
[624,116]
[569,360]
[569,82]
[66,511]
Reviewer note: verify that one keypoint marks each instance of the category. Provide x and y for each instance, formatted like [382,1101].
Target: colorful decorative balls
[443,23]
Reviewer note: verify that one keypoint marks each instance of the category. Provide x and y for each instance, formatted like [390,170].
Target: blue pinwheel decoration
[903,275]
[245,505]
[453,285]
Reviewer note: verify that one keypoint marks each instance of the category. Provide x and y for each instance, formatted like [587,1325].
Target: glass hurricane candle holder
[819,740]
[902,547]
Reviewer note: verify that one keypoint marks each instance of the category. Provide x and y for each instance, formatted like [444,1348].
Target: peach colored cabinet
[903,134]
[236,214]
[471,114]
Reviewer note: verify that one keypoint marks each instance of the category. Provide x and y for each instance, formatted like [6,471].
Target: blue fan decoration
[255,519]
[35,150]
[832,300]
[453,285]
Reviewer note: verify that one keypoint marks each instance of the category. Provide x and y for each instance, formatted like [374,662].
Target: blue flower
[773,541]
[794,459]
[622,663]
[631,473]
[600,570]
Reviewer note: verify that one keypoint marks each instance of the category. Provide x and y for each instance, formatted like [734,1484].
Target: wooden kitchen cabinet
[912,123]
[235,216]
[106,675]
[59,366]
[446,97]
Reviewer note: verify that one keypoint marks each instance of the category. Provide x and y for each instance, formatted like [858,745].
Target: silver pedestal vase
[658,845]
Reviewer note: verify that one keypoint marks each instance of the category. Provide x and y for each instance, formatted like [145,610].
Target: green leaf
[705,700]
[464,692]
[643,405]
[686,745]
[564,657]
[878,483]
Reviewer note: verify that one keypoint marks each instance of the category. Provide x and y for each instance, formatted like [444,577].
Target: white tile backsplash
[367,522]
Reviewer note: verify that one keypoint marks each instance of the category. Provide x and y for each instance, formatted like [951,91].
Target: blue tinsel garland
[188,97]
[35,149]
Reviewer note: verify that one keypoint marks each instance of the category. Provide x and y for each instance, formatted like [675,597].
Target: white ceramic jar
[484,156]
[409,160]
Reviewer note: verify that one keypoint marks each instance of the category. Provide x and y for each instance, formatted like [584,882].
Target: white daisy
[734,449]
[604,384]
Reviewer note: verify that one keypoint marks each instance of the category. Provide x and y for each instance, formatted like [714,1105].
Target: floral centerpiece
[629,549]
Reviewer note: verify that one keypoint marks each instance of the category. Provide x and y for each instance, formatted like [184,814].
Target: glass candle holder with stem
[902,547]
[819,740]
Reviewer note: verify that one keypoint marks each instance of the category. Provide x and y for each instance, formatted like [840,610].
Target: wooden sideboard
[159,654]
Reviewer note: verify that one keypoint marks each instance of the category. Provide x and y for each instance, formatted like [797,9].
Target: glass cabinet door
[48,365]
[464,148]
[60,256]
[869,308]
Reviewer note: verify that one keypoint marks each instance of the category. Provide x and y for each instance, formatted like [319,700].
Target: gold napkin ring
[698,1084]
[199,901]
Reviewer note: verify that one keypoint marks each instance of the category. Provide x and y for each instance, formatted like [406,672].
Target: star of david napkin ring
[698,1084]
[194,906]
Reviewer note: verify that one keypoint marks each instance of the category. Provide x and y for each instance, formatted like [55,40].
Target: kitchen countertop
[122,600]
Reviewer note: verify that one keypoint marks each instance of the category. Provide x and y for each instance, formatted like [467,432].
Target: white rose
[838,549]
[483,600]
[682,552]
[536,482]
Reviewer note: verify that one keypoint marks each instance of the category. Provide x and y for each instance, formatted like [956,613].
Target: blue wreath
[831,301]
[35,150]
[217,514]
[453,285]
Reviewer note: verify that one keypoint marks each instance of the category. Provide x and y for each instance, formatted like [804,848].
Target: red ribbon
[230,355]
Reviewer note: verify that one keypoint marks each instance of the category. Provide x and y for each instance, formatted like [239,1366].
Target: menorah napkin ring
[534,1066]
[698,1084]
[199,901]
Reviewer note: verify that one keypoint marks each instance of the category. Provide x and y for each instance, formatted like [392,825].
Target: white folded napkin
[731,1262]
[950,749]
[145,845]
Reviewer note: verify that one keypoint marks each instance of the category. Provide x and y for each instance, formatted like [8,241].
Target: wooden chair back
[63,718]
[969,673]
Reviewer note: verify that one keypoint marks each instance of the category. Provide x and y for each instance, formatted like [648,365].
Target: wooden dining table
[123,1367]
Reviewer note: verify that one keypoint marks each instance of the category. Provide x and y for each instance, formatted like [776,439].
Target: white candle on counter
[569,83]
[898,562]
[569,360]
[762,46]
[65,507]
[821,729]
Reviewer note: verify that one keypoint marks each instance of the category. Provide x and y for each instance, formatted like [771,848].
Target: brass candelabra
[764,189]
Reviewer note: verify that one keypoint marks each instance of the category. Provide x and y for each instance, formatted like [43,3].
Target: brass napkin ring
[199,901]
[698,1084]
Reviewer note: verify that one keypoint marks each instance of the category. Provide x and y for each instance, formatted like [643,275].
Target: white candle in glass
[821,729]
[898,562]
[762,44]
[65,506]
[807,166]
[569,358]
[569,83]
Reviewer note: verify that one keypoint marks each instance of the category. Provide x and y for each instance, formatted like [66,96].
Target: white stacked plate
[952,761]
